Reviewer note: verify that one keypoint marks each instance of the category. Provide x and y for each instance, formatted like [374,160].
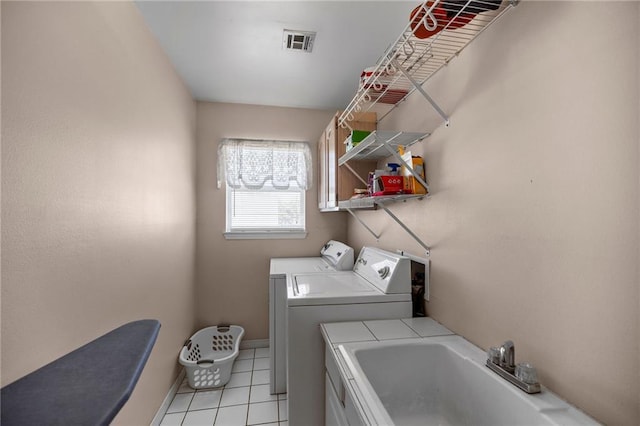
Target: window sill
[265,235]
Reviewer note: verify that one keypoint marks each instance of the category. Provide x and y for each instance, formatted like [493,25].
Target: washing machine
[334,256]
[378,287]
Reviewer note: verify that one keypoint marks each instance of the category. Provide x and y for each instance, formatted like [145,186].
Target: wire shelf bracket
[423,92]
[361,222]
[410,61]
[407,230]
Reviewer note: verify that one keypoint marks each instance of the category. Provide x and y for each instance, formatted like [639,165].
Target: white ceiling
[231,51]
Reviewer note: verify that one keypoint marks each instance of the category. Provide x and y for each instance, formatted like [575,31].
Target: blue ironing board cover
[88,386]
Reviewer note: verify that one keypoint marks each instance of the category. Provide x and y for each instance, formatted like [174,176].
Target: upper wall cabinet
[437,31]
[334,183]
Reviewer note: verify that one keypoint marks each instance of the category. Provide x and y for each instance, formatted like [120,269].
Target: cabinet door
[337,183]
[322,172]
[334,414]
[332,164]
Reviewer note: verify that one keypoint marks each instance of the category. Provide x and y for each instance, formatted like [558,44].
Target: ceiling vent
[298,40]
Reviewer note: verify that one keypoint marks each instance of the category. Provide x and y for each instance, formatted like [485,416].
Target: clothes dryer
[334,256]
[379,287]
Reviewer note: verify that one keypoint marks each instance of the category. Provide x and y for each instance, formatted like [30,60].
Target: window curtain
[251,163]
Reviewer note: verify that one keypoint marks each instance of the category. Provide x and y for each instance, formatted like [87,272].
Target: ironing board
[88,386]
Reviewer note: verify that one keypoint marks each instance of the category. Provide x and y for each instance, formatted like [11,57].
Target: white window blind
[265,209]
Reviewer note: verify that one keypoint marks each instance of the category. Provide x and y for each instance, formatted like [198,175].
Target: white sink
[443,381]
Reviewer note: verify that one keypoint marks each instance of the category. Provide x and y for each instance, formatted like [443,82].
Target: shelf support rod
[354,173]
[362,223]
[421,90]
[409,231]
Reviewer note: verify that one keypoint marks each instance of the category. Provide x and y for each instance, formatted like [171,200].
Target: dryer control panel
[389,272]
[339,255]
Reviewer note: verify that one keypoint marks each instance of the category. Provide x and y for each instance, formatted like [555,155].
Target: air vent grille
[298,40]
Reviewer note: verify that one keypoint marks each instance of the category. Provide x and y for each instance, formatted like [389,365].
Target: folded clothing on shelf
[372,79]
[449,14]
[377,84]
[391,96]
[454,6]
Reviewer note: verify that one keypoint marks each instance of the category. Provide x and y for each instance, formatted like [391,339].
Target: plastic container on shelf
[209,354]
[355,138]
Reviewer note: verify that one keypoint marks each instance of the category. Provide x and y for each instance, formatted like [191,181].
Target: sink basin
[443,381]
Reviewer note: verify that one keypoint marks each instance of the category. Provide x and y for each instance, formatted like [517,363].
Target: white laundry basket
[209,354]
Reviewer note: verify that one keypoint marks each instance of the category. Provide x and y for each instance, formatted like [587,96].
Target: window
[265,187]
[265,209]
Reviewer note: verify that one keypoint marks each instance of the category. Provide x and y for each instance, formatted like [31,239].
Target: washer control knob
[384,272]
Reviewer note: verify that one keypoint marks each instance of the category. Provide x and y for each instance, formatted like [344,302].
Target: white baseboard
[253,344]
[167,400]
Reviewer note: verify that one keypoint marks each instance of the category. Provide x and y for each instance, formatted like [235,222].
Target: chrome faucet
[502,361]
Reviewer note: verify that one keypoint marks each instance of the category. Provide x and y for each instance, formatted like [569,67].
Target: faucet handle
[527,373]
[493,354]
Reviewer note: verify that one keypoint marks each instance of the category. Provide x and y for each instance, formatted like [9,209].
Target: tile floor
[245,400]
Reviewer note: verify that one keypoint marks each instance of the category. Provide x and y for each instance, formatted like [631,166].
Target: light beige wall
[98,181]
[534,213]
[233,275]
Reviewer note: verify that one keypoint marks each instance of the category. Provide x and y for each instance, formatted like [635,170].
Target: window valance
[251,163]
